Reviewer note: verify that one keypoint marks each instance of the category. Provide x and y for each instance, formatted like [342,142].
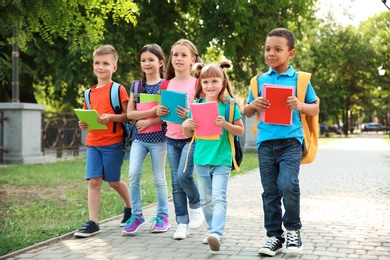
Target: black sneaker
[126,216]
[272,247]
[88,229]
[294,242]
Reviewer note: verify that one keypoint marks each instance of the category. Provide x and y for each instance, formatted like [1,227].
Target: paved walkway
[345,210]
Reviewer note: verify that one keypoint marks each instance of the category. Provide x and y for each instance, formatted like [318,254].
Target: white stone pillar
[22,133]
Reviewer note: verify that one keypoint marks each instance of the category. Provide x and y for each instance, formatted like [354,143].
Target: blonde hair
[170,72]
[106,49]
[202,71]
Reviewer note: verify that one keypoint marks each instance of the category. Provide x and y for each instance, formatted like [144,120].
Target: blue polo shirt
[268,132]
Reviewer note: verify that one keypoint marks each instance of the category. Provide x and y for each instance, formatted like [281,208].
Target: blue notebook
[172,100]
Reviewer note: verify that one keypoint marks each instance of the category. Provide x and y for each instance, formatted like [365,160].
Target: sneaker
[204,241]
[272,247]
[181,232]
[126,216]
[196,218]
[88,229]
[293,242]
[159,224]
[132,224]
[214,242]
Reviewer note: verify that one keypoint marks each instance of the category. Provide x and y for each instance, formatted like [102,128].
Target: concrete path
[345,210]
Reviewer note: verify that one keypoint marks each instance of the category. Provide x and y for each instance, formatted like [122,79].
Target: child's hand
[142,124]
[105,118]
[293,102]
[83,126]
[220,121]
[162,111]
[260,103]
[190,124]
[182,112]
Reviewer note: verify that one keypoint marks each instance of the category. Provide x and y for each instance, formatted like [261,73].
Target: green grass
[40,202]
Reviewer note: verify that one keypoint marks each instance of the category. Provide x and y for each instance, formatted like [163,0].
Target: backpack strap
[255,92]
[164,84]
[87,98]
[196,100]
[229,114]
[303,81]
[137,89]
[115,100]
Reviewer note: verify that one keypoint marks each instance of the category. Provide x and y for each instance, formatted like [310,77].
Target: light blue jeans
[158,152]
[279,162]
[184,187]
[213,182]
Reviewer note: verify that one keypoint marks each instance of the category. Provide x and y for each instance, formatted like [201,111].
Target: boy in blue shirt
[280,146]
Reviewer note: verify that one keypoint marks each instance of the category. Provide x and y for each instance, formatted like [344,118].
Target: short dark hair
[285,33]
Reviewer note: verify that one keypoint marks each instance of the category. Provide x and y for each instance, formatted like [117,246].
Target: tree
[67,36]
[80,25]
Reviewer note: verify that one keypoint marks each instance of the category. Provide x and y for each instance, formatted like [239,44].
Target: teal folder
[172,100]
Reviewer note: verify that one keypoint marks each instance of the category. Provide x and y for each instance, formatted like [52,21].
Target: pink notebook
[146,106]
[278,113]
[205,114]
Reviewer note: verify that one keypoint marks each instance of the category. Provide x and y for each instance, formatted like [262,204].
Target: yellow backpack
[310,124]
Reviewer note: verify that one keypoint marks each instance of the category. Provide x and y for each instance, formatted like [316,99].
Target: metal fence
[60,134]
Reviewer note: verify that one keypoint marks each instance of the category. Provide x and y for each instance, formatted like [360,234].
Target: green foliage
[59,37]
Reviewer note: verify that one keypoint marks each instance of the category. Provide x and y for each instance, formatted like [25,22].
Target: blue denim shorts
[104,162]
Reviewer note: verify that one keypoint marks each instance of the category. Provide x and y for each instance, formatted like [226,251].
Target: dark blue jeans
[279,163]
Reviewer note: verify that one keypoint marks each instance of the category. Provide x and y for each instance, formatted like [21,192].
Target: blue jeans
[183,183]
[158,152]
[279,162]
[213,182]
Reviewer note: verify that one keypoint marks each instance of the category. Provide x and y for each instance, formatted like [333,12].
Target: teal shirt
[216,152]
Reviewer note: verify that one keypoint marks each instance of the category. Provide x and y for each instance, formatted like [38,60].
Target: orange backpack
[310,125]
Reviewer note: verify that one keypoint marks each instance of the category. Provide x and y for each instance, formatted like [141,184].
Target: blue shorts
[104,162]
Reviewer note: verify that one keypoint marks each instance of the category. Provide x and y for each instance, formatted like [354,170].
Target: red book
[278,113]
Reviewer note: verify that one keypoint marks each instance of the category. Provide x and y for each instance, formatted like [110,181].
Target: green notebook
[144,97]
[90,117]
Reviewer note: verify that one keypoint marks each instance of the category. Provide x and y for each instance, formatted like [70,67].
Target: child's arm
[143,124]
[259,103]
[235,129]
[188,126]
[133,114]
[309,109]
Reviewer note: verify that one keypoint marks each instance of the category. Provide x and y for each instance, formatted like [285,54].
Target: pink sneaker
[159,224]
[132,224]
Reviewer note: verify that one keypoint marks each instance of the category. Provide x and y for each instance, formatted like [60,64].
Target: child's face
[150,64]
[182,58]
[277,53]
[104,66]
[212,87]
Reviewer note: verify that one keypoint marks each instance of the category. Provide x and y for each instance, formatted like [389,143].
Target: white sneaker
[214,242]
[181,232]
[204,241]
[196,218]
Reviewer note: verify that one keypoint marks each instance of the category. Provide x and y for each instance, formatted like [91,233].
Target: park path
[345,210]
